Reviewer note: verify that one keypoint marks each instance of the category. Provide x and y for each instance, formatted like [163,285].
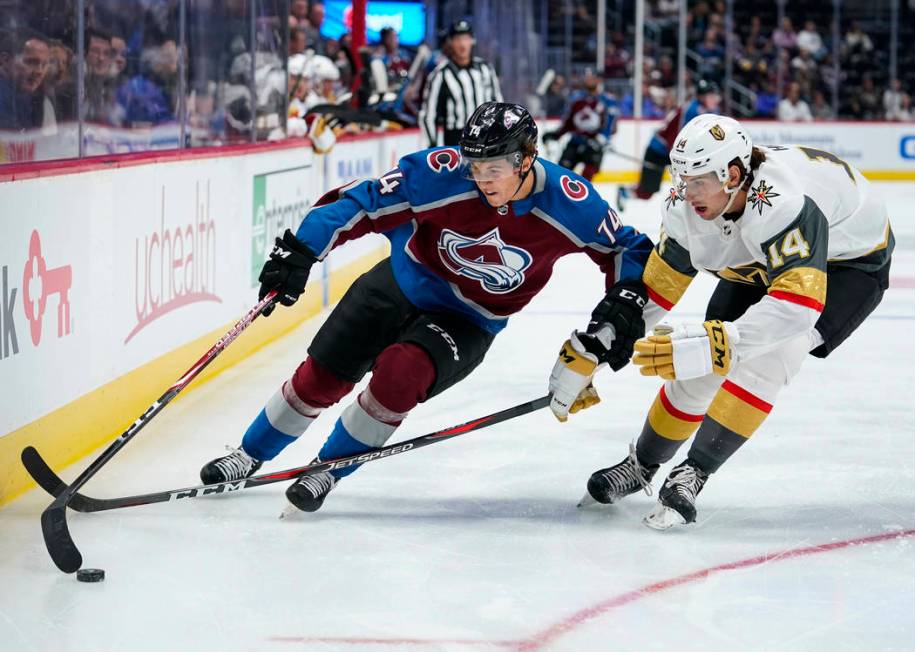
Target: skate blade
[290,512]
[587,501]
[663,518]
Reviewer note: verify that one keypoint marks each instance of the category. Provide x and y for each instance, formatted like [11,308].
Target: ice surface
[476,543]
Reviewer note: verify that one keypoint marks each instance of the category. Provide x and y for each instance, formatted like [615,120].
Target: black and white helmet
[499,130]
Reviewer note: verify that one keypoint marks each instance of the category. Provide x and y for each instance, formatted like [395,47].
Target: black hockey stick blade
[57,537]
[50,482]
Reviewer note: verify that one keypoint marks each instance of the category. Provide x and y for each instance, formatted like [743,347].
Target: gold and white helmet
[708,143]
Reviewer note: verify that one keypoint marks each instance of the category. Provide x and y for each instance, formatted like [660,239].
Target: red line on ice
[547,636]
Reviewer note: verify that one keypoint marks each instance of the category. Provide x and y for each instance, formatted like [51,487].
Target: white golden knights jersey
[806,212]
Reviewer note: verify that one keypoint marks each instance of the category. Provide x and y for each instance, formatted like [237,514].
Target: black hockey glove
[621,309]
[286,271]
[550,135]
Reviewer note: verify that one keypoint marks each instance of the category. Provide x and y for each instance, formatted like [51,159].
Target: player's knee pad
[765,375]
[694,395]
[317,386]
[402,376]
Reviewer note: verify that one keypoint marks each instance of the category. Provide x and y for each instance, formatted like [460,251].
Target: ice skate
[307,494]
[610,485]
[677,497]
[234,466]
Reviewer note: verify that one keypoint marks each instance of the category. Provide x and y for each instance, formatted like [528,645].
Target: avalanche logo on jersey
[497,266]
[587,120]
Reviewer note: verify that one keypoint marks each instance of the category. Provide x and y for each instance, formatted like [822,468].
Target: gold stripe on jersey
[805,282]
[738,410]
[669,422]
[665,284]
[751,274]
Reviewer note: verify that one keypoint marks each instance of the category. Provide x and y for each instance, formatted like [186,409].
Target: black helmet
[498,129]
[704,86]
[460,27]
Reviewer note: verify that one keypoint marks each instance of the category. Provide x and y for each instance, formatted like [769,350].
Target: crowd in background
[236,90]
[789,72]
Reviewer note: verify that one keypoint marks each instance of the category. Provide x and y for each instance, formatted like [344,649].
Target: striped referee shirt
[452,93]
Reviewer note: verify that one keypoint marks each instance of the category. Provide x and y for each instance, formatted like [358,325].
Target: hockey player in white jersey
[802,246]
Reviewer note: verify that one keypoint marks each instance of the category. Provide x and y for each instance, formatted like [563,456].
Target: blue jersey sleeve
[367,206]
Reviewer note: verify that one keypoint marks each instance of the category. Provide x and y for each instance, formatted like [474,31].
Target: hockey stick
[50,482]
[634,159]
[54,518]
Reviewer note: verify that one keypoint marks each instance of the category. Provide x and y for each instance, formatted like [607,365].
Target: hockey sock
[665,430]
[292,409]
[733,416]
[363,426]
[280,423]
[401,378]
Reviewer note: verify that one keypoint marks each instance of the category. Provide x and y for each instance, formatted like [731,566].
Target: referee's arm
[428,114]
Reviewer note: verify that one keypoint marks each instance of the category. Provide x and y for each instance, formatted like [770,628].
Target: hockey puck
[90,575]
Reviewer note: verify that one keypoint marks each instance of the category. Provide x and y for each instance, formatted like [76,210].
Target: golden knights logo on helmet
[717,132]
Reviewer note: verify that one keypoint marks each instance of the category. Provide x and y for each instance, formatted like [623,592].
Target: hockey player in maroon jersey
[657,154]
[591,121]
[474,235]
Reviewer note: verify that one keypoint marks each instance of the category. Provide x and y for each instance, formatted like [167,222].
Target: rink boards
[115,278]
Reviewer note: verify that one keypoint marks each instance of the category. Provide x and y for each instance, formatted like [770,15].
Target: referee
[456,87]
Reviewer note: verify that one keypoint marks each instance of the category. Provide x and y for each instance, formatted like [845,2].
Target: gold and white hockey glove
[570,380]
[687,351]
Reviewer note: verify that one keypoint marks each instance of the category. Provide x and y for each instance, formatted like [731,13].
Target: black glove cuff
[291,242]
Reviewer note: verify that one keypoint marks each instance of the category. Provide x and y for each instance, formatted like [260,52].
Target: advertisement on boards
[280,201]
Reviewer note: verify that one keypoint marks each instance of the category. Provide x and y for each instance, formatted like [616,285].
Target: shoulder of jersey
[434,174]
[774,200]
[568,197]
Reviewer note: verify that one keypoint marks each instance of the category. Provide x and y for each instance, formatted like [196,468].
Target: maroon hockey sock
[402,377]
[317,386]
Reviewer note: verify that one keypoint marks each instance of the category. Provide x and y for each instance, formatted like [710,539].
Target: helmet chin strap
[521,182]
[732,192]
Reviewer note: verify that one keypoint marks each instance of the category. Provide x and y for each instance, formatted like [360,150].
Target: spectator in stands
[616,60]
[97,90]
[149,98]
[809,39]
[857,42]
[819,109]
[766,99]
[298,40]
[892,99]
[313,29]
[904,113]
[712,53]
[792,108]
[396,59]
[665,75]
[869,100]
[60,82]
[804,63]
[24,61]
[785,37]
[298,13]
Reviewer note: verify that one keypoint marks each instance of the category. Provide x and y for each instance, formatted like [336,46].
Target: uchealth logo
[39,283]
[907,147]
[497,266]
[175,266]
